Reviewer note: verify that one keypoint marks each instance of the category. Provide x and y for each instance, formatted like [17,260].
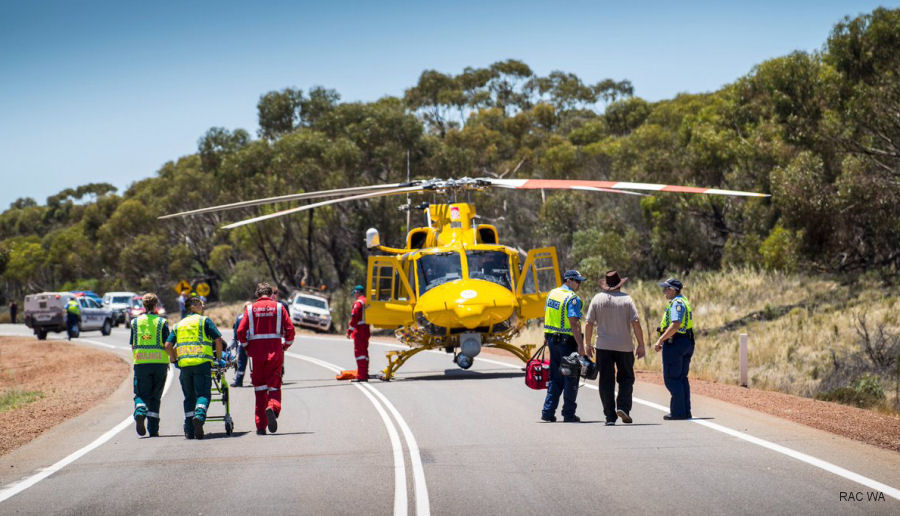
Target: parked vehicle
[137,309]
[120,304]
[310,311]
[88,293]
[46,312]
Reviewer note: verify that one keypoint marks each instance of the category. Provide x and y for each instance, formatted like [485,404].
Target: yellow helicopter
[453,286]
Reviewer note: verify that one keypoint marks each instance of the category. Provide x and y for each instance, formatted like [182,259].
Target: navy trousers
[560,346]
[149,380]
[676,362]
[241,365]
[196,384]
[72,326]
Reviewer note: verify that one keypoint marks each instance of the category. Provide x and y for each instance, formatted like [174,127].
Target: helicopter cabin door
[389,297]
[539,275]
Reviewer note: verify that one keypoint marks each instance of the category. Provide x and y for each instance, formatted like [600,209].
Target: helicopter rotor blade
[368,195]
[607,190]
[577,184]
[285,198]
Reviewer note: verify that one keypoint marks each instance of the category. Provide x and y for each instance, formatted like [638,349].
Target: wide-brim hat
[612,281]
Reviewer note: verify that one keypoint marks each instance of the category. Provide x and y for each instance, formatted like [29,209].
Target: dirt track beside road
[70,378]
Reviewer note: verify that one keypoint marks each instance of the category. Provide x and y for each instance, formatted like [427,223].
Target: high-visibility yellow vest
[192,345]
[687,321]
[555,318]
[146,340]
[73,307]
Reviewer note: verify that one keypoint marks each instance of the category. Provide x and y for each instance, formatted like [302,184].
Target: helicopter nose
[468,304]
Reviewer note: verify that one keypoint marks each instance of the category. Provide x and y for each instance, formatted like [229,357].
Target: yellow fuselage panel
[468,303]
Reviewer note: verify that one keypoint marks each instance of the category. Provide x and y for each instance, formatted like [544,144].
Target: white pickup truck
[46,312]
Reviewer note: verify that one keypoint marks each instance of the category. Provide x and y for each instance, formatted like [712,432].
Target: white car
[310,311]
[46,312]
[120,304]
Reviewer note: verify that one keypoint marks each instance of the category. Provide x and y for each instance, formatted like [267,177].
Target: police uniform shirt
[574,305]
[677,310]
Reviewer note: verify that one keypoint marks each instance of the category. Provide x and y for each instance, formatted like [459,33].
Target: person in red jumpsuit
[264,325]
[358,330]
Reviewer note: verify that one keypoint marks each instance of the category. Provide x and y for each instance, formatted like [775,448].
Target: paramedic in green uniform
[190,346]
[151,365]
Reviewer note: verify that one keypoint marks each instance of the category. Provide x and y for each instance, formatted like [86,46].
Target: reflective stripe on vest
[192,345]
[687,322]
[146,340]
[555,319]
[252,335]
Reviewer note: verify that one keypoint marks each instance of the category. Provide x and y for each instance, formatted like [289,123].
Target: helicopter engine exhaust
[469,348]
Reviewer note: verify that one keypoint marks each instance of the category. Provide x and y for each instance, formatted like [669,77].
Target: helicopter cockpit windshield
[436,269]
[491,266]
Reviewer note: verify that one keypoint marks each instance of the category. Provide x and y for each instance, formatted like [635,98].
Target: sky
[110,91]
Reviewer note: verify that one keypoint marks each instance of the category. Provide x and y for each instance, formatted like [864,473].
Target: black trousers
[615,367]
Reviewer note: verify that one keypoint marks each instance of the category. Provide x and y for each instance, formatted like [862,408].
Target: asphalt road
[438,440]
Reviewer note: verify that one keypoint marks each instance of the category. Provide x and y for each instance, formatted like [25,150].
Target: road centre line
[17,487]
[400,497]
[423,506]
[794,454]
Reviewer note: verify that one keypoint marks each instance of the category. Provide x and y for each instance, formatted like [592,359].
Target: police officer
[358,330]
[149,333]
[562,334]
[676,340]
[73,315]
[190,346]
[241,352]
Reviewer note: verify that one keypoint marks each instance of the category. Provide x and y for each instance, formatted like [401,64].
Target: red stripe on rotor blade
[560,183]
[683,189]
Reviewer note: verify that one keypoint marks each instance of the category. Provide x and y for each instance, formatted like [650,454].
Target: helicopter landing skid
[522,352]
[395,360]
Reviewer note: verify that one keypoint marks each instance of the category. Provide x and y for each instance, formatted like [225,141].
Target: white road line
[423,506]
[401,503]
[17,487]
[794,454]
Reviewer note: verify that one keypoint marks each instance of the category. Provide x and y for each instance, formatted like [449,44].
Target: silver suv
[310,311]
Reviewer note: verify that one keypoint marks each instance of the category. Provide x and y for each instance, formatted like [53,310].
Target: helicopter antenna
[407,195]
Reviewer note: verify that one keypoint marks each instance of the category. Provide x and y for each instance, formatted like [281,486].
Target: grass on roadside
[16,397]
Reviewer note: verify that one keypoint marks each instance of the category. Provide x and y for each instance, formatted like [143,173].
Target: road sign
[182,286]
[202,288]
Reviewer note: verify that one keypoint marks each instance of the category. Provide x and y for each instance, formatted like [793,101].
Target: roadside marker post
[743,355]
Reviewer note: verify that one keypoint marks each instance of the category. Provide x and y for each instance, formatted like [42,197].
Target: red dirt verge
[70,379]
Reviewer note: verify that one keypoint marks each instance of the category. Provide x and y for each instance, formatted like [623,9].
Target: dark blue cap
[671,283]
[572,274]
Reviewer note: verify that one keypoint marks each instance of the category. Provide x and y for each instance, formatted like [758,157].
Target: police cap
[672,283]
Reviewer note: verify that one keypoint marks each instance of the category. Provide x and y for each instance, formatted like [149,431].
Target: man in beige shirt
[613,314]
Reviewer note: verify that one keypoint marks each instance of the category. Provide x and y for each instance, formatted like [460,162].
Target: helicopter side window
[436,269]
[491,266]
[381,281]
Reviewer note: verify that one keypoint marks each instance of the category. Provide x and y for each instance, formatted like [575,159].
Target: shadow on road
[335,383]
[460,374]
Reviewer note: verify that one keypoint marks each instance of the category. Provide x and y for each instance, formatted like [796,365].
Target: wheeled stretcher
[220,393]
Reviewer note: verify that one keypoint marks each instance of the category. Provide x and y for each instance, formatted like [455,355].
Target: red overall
[260,333]
[359,331]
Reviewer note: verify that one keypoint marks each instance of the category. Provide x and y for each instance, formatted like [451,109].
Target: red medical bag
[537,370]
